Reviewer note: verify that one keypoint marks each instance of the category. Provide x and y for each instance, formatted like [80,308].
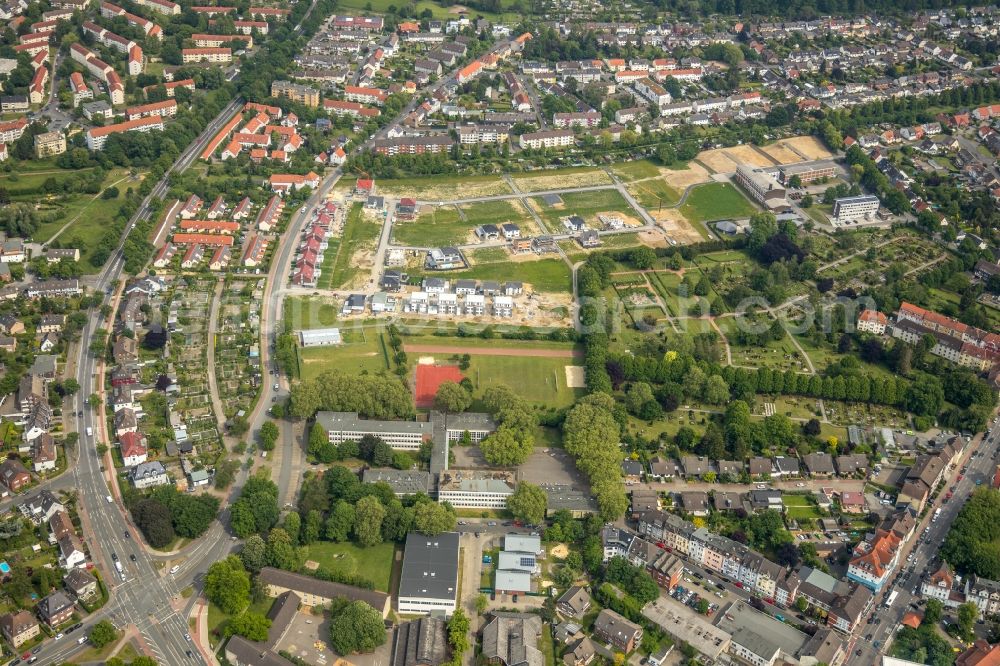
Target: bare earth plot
[681,179]
[717,160]
[781,153]
[443,188]
[747,155]
[810,147]
[677,226]
[560,179]
[495,351]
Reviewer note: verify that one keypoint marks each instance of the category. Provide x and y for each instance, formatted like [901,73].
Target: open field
[717,160]
[781,153]
[678,227]
[373,563]
[435,225]
[305,312]
[554,179]
[637,170]
[681,179]
[443,188]
[809,146]
[495,212]
[716,201]
[362,351]
[653,193]
[548,275]
[358,237]
[538,380]
[587,205]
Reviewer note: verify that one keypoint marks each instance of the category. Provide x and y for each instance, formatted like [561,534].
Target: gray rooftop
[430,566]
[402,481]
[761,634]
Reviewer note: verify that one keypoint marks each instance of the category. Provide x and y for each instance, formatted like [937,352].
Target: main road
[144,599]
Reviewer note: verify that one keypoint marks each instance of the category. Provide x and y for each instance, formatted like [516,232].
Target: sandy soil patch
[781,153]
[458,9]
[363,260]
[496,351]
[717,160]
[559,550]
[652,238]
[810,147]
[575,377]
[676,226]
[594,222]
[747,155]
[425,360]
[312,565]
[556,180]
[444,191]
[681,179]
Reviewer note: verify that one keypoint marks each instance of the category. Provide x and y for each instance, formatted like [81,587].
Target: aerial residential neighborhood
[509,333]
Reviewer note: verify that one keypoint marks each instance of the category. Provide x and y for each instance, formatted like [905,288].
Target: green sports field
[716,201]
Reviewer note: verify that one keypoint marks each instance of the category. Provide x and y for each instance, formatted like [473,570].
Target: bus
[891,598]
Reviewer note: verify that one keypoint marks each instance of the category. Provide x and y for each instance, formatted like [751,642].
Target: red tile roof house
[14,475]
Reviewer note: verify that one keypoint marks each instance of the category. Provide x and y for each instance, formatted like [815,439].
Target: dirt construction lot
[810,147]
[747,155]
[497,351]
[681,179]
[717,160]
[781,153]
[565,178]
[677,226]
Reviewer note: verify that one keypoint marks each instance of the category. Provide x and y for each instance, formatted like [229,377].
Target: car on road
[58,636]
[127,535]
[132,557]
[189,654]
[114,556]
[174,569]
[37,650]
[187,637]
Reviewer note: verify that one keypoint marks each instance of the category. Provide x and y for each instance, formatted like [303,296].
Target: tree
[280,550]
[293,526]
[368,516]
[227,585]
[933,611]
[254,553]
[481,604]
[249,625]
[452,397]
[102,634]
[431,518]
[313,527]
[507,446]
[340,522]
[153,519]
[355,627]
[528,503]
[968,613]
[268,435]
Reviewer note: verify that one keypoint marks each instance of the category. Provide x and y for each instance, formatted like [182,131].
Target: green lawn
[536,181]
[538,380]
[217,619]
[716,201]
[441,225]
[654,193]
[305,312]
[494,212]
[444,187]
[361,351]
[585,204]
[358,234]
[551,275]
[374,563]
[635,170]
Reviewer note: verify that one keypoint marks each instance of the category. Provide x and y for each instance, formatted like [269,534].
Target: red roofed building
[912,620]
[164,109]
[136,60]
[980,654]
[256,249]
[36,90]
[872,321]
[469,72]
[209,226]
[79,88]
[365,95]
[202,239]
[97,136]
[281,183]
[875,560]
[133,448]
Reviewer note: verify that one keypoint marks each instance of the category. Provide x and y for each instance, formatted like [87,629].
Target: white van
[81,640]
[90,431]
[110,499]
[174,569]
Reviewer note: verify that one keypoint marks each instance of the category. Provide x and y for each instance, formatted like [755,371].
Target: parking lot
[545,466]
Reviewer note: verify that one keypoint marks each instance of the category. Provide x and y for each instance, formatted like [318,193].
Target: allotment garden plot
[237,346]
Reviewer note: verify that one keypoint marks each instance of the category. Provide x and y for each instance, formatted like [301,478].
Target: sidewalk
[200,635]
